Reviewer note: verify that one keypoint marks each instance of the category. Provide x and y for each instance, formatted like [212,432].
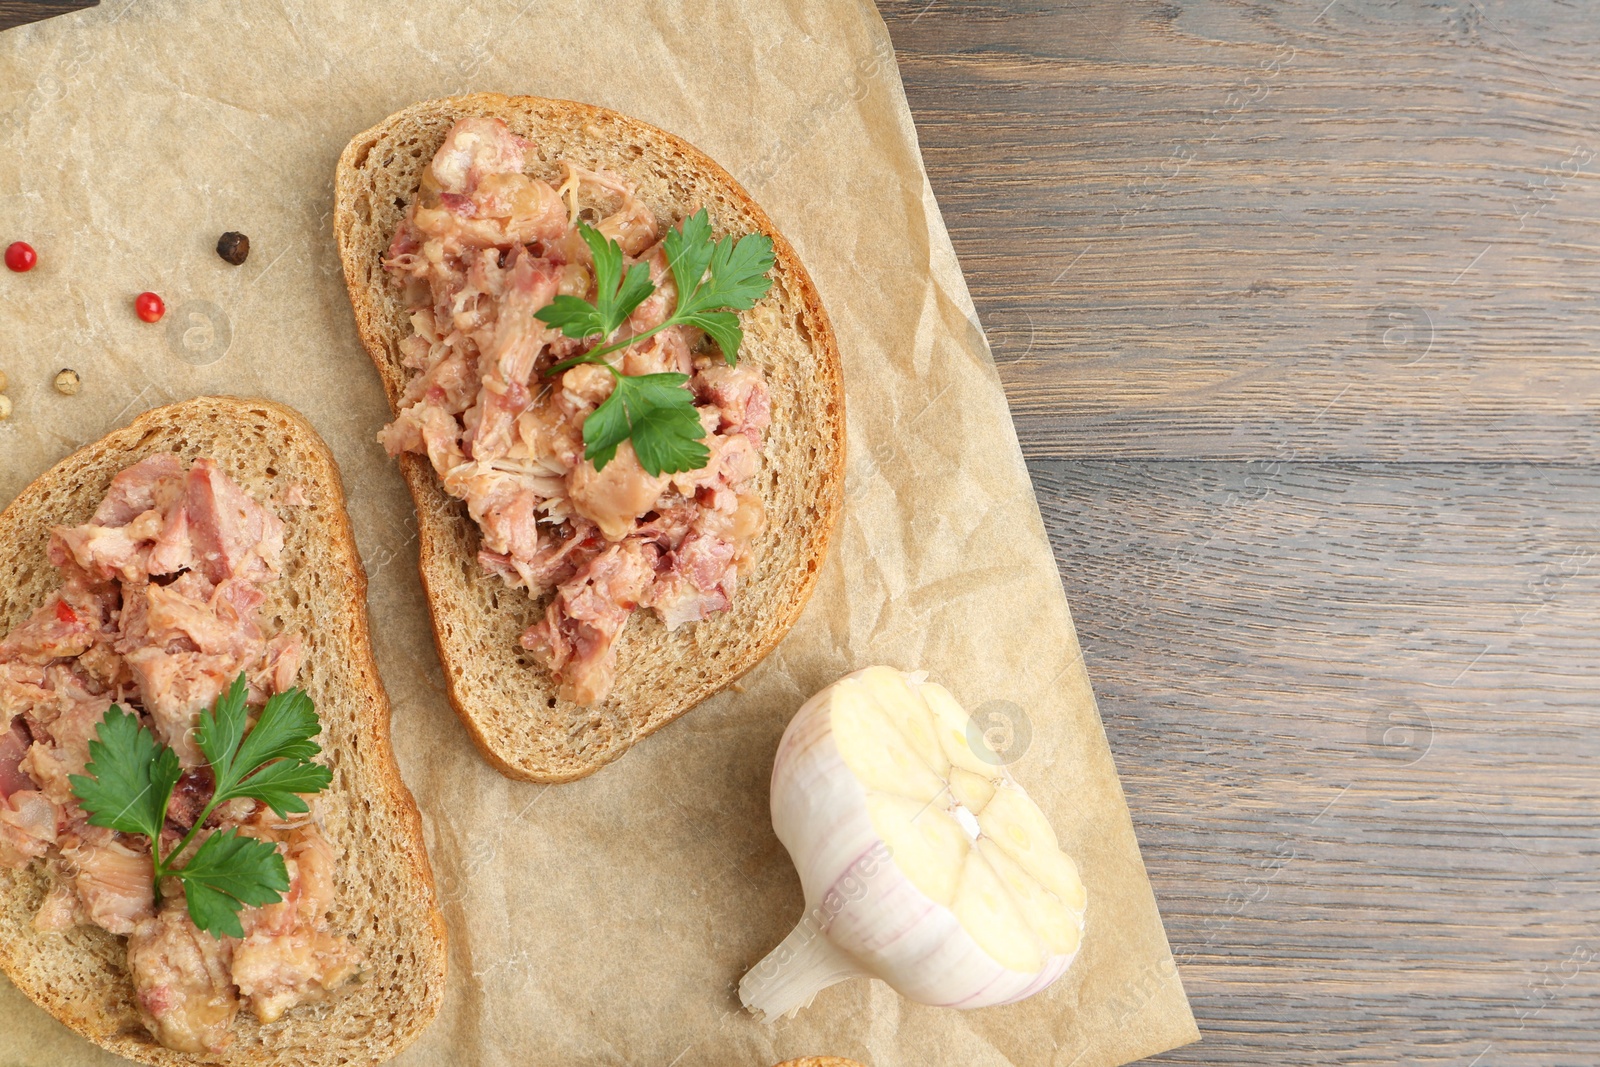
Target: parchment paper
[607,921]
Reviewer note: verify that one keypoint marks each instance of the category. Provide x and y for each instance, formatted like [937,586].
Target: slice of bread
[385,896]
[508,703]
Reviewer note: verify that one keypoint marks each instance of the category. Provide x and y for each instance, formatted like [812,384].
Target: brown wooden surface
[1297,306]
[21,12]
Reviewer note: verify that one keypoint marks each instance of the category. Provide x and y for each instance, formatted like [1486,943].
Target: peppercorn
[20,256]
[68,382]
[233,247]
[149,307]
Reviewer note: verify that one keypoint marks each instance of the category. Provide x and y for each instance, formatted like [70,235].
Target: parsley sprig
[715,280]
[130,777]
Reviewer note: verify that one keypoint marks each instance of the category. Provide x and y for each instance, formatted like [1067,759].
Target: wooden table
[1297,304]
[22,12]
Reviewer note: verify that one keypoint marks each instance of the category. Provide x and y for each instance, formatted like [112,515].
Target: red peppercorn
[20,256]
[149,307]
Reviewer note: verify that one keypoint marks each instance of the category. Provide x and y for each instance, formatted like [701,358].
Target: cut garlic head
[923,863]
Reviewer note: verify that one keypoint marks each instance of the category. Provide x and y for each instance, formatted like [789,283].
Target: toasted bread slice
[385,896]
[509,704]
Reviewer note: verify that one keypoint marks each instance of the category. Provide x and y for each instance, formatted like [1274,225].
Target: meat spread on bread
[579,605]
[482,250]
[202,826]
[158,611]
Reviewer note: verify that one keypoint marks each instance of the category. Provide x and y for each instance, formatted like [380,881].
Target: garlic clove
[951,721]
[1015,823]
[902,706]
[985,909]
[1059,927]
[972,791]
[875,750]
[1019,822]
[926,844]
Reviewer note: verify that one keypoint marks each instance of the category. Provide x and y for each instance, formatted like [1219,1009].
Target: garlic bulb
[923,862]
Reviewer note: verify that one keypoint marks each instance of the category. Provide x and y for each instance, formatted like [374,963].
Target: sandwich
[618,405]
[207,854]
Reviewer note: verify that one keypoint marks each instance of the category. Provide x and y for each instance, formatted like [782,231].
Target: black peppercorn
[233,247]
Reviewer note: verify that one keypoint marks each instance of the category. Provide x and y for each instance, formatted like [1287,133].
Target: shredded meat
[158,612]
[232,535]
[484,248]
[112,879]
[13,747]
[60,910]
[289,954]
[181,976]
[578,634]
[28,823]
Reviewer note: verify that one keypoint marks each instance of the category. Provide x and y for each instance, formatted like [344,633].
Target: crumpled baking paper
[606,921]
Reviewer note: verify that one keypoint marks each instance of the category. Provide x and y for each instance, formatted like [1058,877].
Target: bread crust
[386,895]
[509,705]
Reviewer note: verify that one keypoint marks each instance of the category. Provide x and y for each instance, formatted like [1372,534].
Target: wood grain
[1353,709]
[1224,230]
[1294,306]
[22,12]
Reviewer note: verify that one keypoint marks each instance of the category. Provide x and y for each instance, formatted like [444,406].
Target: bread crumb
[4,381]
[68,382]
[737,687]
[5,407]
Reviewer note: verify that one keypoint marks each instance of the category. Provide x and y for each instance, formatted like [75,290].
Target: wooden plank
[1352,702]
[1354,710]
[1217,229]
[22,12]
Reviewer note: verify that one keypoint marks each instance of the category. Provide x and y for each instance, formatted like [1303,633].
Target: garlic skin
[922,861]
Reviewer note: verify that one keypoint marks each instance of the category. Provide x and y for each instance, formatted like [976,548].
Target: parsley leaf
[221,730]
[725,274]
[277,785]
[228,871]
[689,249]
[658,413]
[273,763]
[737,276]
[636,285]
[616,294]
[284,730]
[714,279]
[723,328]
[572,315]
[130,777]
